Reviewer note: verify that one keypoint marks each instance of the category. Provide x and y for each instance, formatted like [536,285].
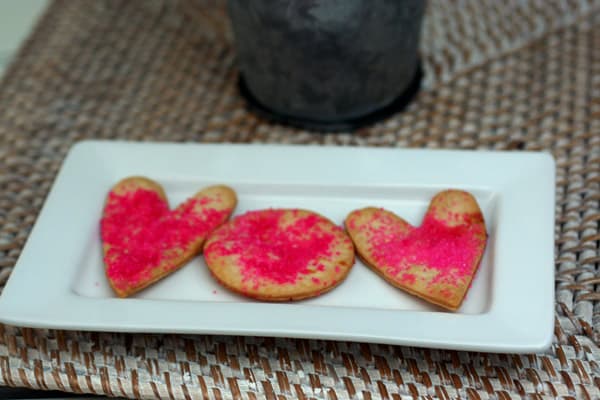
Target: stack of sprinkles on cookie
[288,254]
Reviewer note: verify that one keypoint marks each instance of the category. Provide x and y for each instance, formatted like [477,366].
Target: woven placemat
[516,75]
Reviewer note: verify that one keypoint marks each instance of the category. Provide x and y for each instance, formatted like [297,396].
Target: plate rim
[13,312]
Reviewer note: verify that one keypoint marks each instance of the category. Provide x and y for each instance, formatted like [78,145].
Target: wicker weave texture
[515,75]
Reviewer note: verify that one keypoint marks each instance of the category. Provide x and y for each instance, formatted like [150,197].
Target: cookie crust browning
[279,255]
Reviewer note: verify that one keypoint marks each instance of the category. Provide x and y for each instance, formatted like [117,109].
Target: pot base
[345,125]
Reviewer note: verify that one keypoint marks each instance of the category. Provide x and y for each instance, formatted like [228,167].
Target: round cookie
[279,254]
[144,241]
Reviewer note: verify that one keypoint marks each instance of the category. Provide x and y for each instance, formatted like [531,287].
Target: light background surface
[17,17]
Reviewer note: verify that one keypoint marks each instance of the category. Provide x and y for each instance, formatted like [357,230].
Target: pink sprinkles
[269,249]
[452,250]
[143,233]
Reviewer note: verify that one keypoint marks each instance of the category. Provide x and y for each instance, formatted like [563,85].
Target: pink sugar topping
[271,249]
[452,250]
[408,278]
[143,233]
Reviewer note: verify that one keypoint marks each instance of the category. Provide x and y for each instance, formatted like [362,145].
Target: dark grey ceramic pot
[327,64]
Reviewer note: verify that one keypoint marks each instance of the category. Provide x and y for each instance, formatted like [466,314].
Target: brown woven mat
[501,75]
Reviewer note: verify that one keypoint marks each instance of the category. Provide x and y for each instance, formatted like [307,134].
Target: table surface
[165,71]
[17,18]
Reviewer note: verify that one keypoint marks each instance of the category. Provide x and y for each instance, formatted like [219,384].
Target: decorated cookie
[144,241]
[279,254]
[435,261]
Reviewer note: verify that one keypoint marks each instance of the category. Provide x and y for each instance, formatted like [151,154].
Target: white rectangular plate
[59,280]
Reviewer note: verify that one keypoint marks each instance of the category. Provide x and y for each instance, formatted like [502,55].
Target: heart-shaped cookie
[144,241]
[435,261]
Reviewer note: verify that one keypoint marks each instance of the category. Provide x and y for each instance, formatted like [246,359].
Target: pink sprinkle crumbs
[214,292]
[351,222]
[450,249]
[408,278]
[269,249]
[143,233]
[316,281]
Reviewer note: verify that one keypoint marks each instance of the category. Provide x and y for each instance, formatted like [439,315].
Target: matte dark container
[327,64]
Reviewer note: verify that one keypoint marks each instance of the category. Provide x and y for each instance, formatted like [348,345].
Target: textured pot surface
[327,60]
